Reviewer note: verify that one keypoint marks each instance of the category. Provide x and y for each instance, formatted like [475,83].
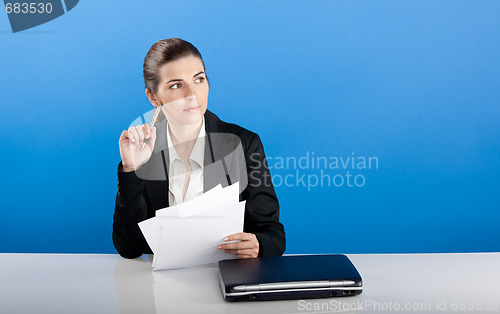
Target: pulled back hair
[162,52]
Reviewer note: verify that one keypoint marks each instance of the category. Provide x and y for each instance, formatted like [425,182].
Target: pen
[156,113]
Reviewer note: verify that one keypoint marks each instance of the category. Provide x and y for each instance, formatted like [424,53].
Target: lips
[192,109]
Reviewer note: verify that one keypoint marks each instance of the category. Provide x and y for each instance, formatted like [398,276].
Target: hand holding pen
[137,143]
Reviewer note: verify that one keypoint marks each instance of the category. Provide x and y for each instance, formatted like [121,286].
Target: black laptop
[289,277]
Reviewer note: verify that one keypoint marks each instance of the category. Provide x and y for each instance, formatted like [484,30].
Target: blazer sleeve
[131,207]
[262,207]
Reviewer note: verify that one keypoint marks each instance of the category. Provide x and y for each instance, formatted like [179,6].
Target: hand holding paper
[243,245]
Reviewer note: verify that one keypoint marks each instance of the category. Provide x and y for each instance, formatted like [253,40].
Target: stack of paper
[187,234]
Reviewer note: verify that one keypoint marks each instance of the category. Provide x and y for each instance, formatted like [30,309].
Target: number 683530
[28,8]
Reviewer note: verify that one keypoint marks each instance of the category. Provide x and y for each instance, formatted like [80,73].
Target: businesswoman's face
[183,90]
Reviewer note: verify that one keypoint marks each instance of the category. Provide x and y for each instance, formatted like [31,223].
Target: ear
[151,98]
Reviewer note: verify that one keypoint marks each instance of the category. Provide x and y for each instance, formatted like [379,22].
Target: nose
[189,92]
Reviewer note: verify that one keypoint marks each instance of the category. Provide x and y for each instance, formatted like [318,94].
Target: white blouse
[177,170]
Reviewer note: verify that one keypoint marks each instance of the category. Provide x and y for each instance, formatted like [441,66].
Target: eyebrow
[179,80]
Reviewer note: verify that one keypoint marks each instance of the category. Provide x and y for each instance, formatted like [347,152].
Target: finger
[132,135]
[147,131]
[246,256]
[140,131]
[124,135]
[239,236]
[239,245]
[235,252]
[234,246]
[241,252]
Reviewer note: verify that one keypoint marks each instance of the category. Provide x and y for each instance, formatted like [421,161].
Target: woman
[188,153]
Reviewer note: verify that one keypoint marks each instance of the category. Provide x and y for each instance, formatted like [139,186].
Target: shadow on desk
[141,290]
[134,286]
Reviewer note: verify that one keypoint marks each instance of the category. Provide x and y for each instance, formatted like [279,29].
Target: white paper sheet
[192,241]
[187,234]
[215,197]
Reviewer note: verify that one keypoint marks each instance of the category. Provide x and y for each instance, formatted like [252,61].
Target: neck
[183,137]
[182,133]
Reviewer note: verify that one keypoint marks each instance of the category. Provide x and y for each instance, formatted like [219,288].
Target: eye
[176,86]
[199,79]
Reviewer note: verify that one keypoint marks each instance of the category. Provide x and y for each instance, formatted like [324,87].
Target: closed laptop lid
[288,269]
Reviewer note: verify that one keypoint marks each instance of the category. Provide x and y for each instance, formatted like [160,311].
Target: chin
[193,118]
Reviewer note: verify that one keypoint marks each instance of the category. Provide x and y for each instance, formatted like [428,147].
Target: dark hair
[164,51]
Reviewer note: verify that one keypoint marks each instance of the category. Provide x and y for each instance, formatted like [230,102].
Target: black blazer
[144,191]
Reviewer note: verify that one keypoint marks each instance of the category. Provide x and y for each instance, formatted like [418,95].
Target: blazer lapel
[214,172]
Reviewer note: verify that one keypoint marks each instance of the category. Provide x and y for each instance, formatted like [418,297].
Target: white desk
[426,283]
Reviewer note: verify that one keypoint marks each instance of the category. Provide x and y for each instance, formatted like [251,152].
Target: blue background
[414,83]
